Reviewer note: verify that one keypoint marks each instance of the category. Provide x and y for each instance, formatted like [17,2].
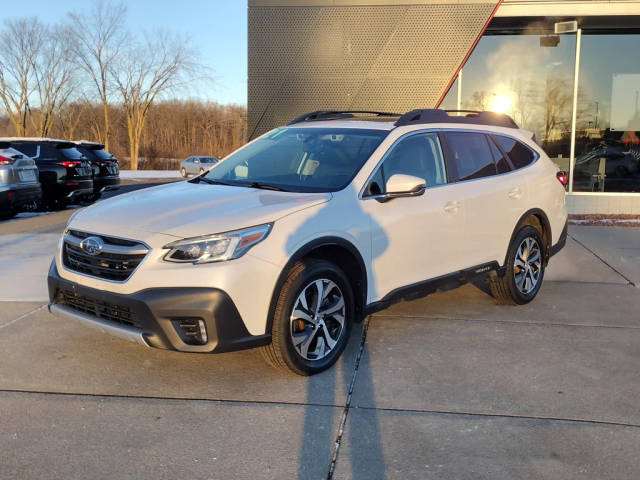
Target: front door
[413,238]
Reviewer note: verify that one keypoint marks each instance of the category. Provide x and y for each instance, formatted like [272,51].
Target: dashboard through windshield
[300,159]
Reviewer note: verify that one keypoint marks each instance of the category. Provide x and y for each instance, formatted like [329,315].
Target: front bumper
[150,317]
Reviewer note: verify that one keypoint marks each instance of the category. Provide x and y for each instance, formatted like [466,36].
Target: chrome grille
[116,261]
[105,310]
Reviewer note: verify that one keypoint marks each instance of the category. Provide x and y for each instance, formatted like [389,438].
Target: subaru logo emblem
[92,245]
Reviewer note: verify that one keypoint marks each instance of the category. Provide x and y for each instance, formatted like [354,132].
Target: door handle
[452,206]
[515,193]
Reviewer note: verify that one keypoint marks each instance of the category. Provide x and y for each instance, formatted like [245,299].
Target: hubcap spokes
[317,319]
[527,265]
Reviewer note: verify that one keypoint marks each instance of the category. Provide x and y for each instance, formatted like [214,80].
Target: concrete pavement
[452,386]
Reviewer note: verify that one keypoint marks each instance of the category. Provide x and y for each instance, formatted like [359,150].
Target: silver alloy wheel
[527,265]
[317,320]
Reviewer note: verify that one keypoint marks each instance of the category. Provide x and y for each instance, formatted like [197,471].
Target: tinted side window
[418,155]
[520,155]
[471,155]
[502,164]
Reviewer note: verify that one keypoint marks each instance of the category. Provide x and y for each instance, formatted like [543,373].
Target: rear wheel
[8,214]
[183,172]
[312,320]
[524,269]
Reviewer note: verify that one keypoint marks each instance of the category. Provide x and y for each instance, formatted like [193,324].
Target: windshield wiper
[265,186]
[209,181]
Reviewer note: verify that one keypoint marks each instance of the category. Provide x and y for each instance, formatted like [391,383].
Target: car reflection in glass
[611,164]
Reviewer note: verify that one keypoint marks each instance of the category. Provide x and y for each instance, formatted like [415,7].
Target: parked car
[65,174]
[106,171]
[196,165]
[307,229]
[19,186]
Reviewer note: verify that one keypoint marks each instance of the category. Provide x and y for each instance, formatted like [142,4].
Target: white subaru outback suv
[300,233]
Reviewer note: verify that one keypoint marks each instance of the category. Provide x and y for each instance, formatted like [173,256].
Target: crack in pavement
[24,315]
[516,322]
[602,260]
[501,415]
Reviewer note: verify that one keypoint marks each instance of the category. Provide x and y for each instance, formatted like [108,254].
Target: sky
[217,28]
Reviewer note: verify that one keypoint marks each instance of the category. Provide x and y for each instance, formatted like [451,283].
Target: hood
[184,209]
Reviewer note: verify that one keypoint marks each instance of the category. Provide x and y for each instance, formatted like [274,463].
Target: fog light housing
[192,331]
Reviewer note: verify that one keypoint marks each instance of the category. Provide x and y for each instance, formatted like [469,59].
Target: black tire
[201,171]
[8,214]
[58,204]
[282,353]
[183,172]
[504,289]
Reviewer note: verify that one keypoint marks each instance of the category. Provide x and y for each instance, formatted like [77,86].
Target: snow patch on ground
[31,214]
[144,174]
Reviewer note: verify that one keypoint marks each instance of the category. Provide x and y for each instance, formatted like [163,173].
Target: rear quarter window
[519,154]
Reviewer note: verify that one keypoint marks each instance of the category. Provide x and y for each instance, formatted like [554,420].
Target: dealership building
[569,71]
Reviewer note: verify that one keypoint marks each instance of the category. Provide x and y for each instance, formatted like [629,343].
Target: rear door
[413,238]
[494,197]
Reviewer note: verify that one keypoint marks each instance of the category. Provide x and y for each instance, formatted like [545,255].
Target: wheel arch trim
[325,241]
[546,225]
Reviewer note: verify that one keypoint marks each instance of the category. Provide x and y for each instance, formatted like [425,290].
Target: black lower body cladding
[156,312]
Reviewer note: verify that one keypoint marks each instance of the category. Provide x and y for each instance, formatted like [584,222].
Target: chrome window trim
[66,230]
[536,154]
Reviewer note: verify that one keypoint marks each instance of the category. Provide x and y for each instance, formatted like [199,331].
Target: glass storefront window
[608,115]
[527,78]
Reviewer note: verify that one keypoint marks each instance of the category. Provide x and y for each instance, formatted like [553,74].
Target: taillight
[68,163]
[563,178]
[6,160]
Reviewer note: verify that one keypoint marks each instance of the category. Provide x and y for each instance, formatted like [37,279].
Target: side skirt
[442,283]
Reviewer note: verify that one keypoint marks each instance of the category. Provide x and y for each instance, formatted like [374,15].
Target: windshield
[300,159]
[207,159]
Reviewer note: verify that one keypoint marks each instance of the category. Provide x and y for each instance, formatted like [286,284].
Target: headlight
[216,248]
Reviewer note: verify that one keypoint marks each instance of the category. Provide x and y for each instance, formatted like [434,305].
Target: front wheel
[312,319]
[524,269]
[183,172]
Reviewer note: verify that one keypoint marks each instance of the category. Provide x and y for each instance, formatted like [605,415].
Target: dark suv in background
[65,173]
[106,172]
[19,186]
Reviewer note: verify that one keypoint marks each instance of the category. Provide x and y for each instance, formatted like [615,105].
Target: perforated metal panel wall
[381,57]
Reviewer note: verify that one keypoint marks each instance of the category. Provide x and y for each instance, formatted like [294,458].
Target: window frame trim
[536,155]
[446,154]
[380,164]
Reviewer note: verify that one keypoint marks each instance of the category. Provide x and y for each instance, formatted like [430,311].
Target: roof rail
[319,115]
[435,115]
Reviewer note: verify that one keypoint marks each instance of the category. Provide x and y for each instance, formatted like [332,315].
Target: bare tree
[98,39]
[53,79]
[21,42]
[557,102]
[159,64]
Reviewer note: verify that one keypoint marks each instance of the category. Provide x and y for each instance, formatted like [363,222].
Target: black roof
[414,117]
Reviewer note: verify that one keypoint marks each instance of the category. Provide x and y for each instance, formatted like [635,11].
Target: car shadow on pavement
[315,431]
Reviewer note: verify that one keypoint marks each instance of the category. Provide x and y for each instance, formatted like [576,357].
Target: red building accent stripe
[473,46]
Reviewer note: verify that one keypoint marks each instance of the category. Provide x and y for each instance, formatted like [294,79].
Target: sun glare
[500,103]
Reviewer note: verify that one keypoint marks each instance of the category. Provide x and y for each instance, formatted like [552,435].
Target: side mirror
[400,185]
